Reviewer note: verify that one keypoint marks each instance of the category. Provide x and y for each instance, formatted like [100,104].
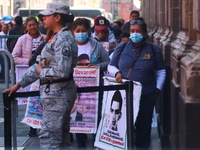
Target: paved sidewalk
[33,143]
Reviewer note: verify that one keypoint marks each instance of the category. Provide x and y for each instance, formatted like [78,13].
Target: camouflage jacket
[58,59]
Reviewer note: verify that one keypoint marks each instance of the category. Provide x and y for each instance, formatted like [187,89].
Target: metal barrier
[10,80]
[128,86]
[4,38]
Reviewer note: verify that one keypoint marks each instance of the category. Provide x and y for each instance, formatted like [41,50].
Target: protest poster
[20,70]
[85,110]
[84,117]
[112,132]
[33,114]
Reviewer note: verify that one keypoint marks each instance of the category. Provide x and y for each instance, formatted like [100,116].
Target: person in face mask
[97,56]
[139,60]
[87,45]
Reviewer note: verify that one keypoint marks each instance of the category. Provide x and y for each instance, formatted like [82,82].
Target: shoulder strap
[123,46]
[134,61]
[152,48]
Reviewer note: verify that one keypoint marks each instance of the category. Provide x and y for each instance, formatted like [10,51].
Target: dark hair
[65,18]
[118,23]
[121,20]
[49,34]
[11,24]
[123,35]
[6,25]
[144,25]
[118,98]
[135,12]
[81,21]
[18,20]
[82,57]
[31,18]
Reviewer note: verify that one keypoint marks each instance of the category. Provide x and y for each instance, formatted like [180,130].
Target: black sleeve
[36,53]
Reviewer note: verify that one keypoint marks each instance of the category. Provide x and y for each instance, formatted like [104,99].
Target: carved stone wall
[177,32]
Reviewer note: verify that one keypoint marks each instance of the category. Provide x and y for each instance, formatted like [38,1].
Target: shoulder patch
[66,51]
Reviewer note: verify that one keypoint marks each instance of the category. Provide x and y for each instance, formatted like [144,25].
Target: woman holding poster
[90,52]
[139,60]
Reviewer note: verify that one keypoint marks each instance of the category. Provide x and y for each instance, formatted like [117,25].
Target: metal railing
[10,80]
[4,38]
[128,87]
[11,107]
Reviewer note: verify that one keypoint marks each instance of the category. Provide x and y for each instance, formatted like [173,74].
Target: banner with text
[111,133]
[33,115]
[85,111]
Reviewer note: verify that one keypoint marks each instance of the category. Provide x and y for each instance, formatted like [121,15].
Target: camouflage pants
[56,119]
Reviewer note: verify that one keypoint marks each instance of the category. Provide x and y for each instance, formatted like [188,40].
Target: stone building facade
[174,25]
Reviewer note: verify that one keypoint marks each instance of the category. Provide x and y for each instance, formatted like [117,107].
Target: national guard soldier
[55,71]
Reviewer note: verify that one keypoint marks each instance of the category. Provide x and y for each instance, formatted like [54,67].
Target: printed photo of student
[115,109]
[83,60]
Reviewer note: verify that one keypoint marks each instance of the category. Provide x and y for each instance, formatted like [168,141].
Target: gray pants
[56,116]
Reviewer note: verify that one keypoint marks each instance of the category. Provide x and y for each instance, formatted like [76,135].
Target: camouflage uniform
[58,60]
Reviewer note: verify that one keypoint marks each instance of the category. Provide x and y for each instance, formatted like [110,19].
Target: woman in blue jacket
[148,69]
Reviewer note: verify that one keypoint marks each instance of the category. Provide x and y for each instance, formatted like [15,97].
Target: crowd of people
[120,47]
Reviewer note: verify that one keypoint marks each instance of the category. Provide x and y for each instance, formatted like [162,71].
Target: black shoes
[32,132]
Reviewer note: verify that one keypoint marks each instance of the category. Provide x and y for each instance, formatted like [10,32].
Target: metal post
[100,105]
[129,114]
[7,122]
[10,77]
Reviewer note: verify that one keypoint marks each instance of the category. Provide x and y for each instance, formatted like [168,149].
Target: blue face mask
[136,37]
[81,37]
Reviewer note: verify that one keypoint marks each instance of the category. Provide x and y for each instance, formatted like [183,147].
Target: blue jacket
[149,61]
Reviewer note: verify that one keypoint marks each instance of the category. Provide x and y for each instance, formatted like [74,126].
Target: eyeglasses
[136,22]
